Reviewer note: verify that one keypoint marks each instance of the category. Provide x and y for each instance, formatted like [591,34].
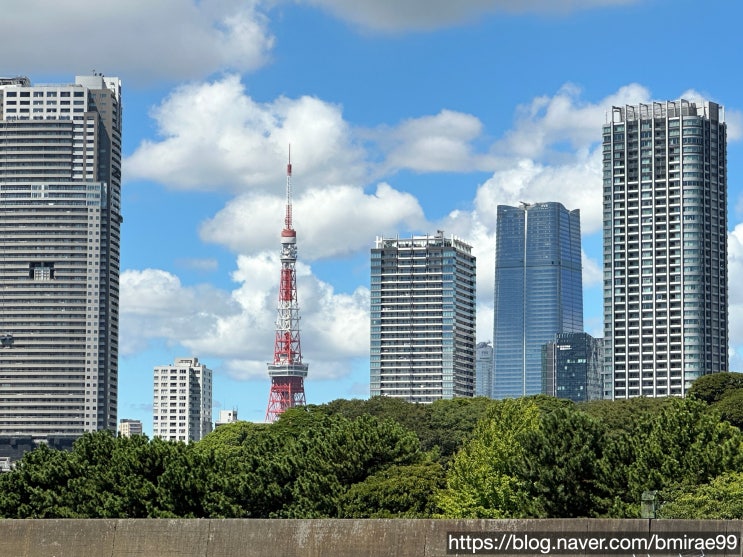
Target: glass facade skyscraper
[665,246]
[574,367]
[422,318]
[538,291]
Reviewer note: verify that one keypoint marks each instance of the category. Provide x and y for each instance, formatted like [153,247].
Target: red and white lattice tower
[287,372]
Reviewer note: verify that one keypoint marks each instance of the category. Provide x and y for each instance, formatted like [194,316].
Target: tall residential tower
[60,218]
[538,291]
[665,246]
[422,318]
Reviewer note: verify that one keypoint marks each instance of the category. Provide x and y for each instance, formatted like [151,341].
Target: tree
[32,489]
[328,459]
[730,407]
[624,414]
[443,425]
[720,499]
[561,466]
[451,423]
[713,387]
[481,481]
[684,444]
[405,491]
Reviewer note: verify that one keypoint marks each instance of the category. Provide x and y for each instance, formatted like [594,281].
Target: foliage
[685,443]
[443,425]
[530,457]
[730,407]
[713,387]
[721,498]
[561,466]
[624,414]
[481,482]
[298,467]
[396,492]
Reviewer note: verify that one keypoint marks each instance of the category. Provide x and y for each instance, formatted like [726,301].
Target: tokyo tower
[287,371]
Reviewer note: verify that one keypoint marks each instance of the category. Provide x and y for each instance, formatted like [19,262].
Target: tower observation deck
[287,371]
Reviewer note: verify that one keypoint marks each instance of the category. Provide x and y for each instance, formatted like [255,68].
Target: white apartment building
[182,401]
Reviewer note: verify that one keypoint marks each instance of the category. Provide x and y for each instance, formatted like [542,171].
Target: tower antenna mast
[287,371]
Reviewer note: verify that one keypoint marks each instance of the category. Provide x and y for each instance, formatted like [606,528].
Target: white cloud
[575,184]
[238,327]
[400,15]
[734,120]
[154,304]
[138,40]
[214,136]
[735,309]
[553,153]
[593,273]
[330,221]
[432,143]
[551,128]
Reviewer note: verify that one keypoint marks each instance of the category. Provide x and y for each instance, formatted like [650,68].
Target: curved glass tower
[538,291]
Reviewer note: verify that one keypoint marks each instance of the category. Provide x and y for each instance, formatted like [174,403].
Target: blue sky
[404,116]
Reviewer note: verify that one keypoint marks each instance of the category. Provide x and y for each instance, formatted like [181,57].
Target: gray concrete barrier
[366,538]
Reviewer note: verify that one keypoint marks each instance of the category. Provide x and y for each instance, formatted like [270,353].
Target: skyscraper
[182,401]
[573,367]
[665,246]
[422,318]
[484,369]
[60,218]
[538,291]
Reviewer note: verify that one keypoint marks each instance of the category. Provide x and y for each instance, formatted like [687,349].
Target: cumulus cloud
[400,15]
[140,39]
[154,304]
[734,120]
[213,136]
[237,327]
[575,184]
[735,309]
[593,273]
[552,153]
[548,128]
[442,142]
[330,221]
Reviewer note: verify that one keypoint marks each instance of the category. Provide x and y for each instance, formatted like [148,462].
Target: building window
[41,271]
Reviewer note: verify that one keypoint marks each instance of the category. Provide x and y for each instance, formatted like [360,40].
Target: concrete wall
[346,538]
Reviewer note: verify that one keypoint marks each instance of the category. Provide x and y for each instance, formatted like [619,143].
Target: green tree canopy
[405,491]
[481,481]
[684,444]
[713,387]
[720,499]
[562,466]
[730,407]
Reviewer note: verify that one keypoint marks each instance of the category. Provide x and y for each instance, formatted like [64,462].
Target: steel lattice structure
[287,371]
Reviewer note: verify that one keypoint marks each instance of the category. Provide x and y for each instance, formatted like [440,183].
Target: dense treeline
[530,457]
